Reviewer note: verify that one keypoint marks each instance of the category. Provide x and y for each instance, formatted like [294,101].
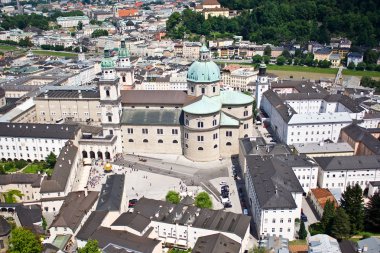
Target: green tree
[281,60]
[25,42]
[203,200]
[302,233]
[44,223]
[360,66]
[10,196]
[24,241]
[173,197]
[51,159]
[371,56]
[268,51]
[90,247]
[328,216]
[353,205]
[257,58]
[286,54]
[351,65]
[2,170]
[257,249]
[373,213]
[80,25]
[341,226]
[20,164]
[266,59]
[99,32]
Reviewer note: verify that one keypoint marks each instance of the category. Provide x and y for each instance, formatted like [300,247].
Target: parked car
[225,188]
[132,203]
[225,194]
[227,205]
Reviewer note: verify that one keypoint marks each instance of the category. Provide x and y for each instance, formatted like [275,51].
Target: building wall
[273,222]
[51,110]
[29,148]
[372,190]
[133,139]
[30,193]
[27,116]
[341,179]
[307,176]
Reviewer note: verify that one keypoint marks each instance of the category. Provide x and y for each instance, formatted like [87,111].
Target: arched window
[215,146]
[107,93]
[186,146]
[203,90]
[124,79]
[200,124]
[246,135]
[228,144]
[145,140]
[160,141]
[200,148]
[192,89]
[175,141]
[130,140]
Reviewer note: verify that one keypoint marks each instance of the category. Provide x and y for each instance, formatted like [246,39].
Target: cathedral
[202,124]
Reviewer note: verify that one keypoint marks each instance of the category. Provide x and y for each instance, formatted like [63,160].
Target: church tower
[109,88]
[124,69]
[262,84]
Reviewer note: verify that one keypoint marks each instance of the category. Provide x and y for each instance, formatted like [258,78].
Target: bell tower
[109,89]
[262,84]
[124,69]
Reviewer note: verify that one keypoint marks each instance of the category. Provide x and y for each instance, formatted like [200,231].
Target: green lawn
[175,250]
[348,72]
[302,69]
[8,167]
[54,53]
[7,48]
[34,168]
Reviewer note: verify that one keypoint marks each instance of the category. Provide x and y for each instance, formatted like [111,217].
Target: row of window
[145,131]
[26,140]
[274,230]
[281,220]
[146,141]
[21,155]
[26,148]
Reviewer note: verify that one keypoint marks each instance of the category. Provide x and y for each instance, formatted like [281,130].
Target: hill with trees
[276,21]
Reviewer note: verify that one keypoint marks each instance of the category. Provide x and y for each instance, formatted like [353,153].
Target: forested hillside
[278,21]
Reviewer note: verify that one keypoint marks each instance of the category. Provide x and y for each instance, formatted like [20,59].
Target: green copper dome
[107,62]
[123,53]
[203,72]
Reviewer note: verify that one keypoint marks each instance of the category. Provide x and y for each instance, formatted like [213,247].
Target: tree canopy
[173,197]
[353,205]
[99,32]
[90,247]
[373,213]
[203,200]
[51,159]
[23,240]
[341,225]
[275,21]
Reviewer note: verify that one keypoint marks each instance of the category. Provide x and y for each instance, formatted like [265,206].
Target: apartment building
[339,172]
[275,196]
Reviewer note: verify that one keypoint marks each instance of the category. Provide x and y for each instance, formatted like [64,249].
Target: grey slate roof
[258,146]
[274,181]
[216,220]
[91,225]
[28,215]
[62,169]
[375,183]
[5,227]
[20,178]
[70,94]
[372,244]
[216,243]
[359,134]
[111,194]
[342,163]
[134,243]
[156,97]
[348,102]
[135,221]
[74,208]
[278,104]
[31,130]
[166,117]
